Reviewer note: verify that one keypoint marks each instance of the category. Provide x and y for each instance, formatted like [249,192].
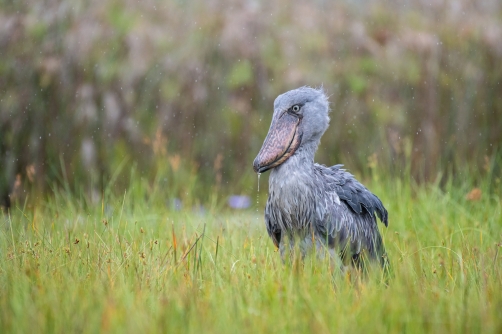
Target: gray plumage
[316,205]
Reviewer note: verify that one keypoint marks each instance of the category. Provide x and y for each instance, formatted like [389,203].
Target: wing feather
[355,195]
[273,228]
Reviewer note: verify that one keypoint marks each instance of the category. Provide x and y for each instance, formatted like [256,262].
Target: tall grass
[132,264]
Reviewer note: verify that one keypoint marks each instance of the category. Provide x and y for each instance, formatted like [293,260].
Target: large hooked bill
[283,138]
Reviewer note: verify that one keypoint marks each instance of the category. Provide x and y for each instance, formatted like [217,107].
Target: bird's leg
[323,250]
[282,250]
[287,249]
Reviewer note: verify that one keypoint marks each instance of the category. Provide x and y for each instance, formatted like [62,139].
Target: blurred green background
[179,94]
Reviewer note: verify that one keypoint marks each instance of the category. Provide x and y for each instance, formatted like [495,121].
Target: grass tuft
[122,266]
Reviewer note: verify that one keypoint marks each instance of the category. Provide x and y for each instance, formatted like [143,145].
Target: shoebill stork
[312,205]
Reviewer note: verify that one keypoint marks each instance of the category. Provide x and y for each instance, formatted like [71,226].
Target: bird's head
[300,117]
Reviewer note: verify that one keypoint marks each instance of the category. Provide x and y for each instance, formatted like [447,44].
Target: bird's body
[311,204]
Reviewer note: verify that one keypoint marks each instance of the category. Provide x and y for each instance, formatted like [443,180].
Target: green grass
[70,266]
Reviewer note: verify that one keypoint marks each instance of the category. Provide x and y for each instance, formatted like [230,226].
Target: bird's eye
[296,108]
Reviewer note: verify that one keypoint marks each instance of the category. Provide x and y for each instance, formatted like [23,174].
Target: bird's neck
[292,188]
[301,162]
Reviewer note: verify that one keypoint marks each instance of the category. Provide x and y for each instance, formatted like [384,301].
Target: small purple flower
[177,204]
[239,202]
